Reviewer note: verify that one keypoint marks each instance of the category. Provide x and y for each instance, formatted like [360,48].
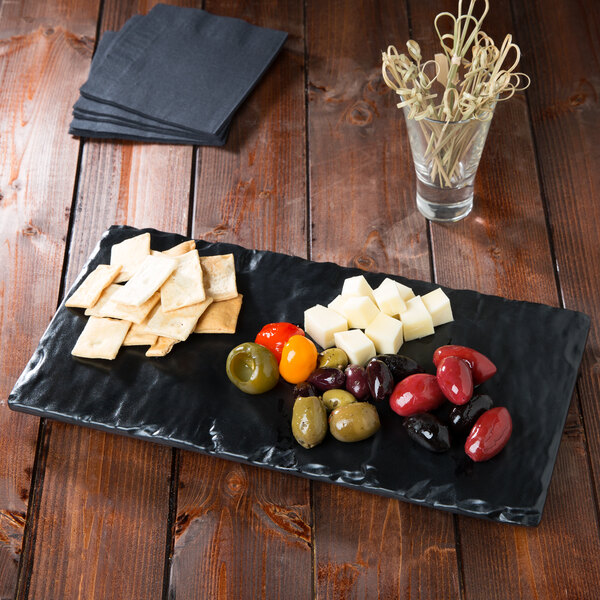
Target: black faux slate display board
[186,400]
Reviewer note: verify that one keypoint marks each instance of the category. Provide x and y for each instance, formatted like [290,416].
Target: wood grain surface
[45,55]
[317,165]
[242,532]
[117,505]
[565,118]
[506,242]
[367,547]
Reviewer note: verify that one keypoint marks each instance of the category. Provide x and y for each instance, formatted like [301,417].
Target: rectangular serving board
[186,400]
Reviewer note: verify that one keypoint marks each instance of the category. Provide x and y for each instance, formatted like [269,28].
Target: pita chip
[130,254]
[91,288]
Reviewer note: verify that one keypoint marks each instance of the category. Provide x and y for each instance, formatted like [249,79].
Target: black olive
[400,366]
[429,431]
[462,418]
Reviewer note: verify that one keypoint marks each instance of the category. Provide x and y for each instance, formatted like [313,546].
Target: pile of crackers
[165,298]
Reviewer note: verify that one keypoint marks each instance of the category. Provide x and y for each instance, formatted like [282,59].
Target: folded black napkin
[176,75]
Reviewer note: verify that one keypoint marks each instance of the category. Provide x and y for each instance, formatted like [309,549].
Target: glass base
[444,205]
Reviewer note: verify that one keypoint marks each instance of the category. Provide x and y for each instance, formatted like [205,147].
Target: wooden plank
[244,532]
[565,116]
[367,546]
[103,517]
[41,68]
[506,247]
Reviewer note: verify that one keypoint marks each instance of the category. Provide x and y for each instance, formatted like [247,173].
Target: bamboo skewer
[471,88]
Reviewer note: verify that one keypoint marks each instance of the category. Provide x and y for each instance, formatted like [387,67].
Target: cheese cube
[416,320]
[356,345]
[388,298]
[337,303]
[359,310]
[357,286]
[405,292]
[386,333]
[321,323]
[438,305]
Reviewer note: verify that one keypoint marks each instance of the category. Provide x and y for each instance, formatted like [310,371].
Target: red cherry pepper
[417,393]
[455,379]
[275,335]
[481,366]
[489,435]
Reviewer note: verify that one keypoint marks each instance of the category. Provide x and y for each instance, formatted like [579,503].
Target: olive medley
[459,369]
[344,390]
[331,394]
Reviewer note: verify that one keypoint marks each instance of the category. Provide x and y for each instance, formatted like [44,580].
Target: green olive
[333,357]
[252,368]
[354,422]
[309,421]
[332,399]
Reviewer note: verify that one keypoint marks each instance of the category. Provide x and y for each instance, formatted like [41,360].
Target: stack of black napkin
[176,75]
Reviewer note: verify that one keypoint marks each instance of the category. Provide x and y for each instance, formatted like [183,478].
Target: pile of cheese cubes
[389,315]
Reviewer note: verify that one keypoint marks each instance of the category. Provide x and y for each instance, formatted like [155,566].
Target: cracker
[135,314]
[177,324]
[219,276]
[153,272]
[101,338]
[220,317]
[130,254]
[161,347]
[184,286]
[91,288]
[107,294]
[178,250]
[139,335]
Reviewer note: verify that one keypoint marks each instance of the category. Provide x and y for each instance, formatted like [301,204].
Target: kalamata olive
[489,435]
[455,379]
[354,422]
[327,378]
[332,399]
[356,382]
[305,389]
[462,418]
[309,421]
[400,366]
[379,378]
[429,431]
[333,357]
[417,393]
[481,366]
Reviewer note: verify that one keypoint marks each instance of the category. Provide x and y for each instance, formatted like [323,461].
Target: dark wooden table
[317,165]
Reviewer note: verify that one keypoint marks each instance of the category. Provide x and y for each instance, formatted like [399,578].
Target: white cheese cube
[359,310]
[357,286]
[416,320]
[386,333]
[337,303]
[321,323]
[388,298]
[356,345]
[405,292]
[438,305]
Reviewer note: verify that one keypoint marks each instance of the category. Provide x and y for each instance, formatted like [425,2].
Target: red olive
[489,434]
[417,393]
[455,379]
[481,366]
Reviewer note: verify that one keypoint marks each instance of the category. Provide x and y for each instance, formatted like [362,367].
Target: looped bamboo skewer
[472,85]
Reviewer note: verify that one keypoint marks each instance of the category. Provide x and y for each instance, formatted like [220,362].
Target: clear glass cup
[446,157]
